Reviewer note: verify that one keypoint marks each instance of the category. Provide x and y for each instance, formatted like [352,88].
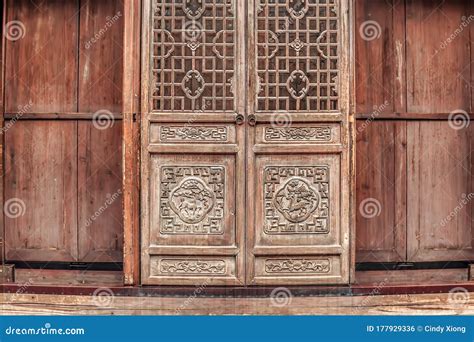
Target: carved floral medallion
[192,200]
[297,200]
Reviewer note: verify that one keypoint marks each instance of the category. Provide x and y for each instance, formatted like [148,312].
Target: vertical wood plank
[438,56]
[100,221]
[41,196]
[42,66]
[381,190]
[100,144]
[378,53]
[440,192]
[2,127]
[131,140]
[100,56]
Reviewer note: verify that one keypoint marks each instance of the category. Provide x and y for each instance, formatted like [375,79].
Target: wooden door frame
[131,140]
[131,133]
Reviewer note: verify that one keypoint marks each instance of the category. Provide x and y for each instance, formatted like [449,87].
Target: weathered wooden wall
[61,161]
[412,75]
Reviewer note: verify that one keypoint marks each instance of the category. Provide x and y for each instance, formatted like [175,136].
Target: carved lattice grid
[297,55]
[192,55]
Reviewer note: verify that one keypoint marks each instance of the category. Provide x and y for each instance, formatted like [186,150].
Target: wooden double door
[245,142]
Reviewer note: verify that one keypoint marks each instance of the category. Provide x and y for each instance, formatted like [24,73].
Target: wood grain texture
[37,72]
[381,191]
[100,224]
[380,56]
[41,174]
[419,304]
[438,56]
[439,197]
[131,140]
[100,56]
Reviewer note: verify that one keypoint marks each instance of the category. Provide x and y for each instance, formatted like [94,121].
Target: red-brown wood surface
[41,67]
[438,56]
[381,186]
[66,63]
[41,191]
[421,65]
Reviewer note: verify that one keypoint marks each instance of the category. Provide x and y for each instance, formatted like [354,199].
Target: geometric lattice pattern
[192,57]
[297,55]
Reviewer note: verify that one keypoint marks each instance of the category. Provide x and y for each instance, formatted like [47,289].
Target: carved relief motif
[209,133]
[192,199]
[297,266]
[192,267]
[317,134]
[296,199]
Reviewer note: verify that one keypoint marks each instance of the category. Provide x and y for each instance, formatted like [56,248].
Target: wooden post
[131,140]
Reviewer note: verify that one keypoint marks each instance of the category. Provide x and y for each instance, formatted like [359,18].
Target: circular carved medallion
[296,200]
[192,200]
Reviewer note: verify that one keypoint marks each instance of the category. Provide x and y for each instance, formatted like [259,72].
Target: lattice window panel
[297,55]
[192,55]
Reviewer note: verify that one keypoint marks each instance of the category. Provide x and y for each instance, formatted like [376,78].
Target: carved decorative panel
[296,199]
[187,133]
[297,55]
[192,199]
[192,55]
[192,266]
[297,266]
[314,134]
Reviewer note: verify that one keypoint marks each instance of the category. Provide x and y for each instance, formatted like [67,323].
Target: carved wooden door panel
[193,142]
[245,142]
[298,143]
